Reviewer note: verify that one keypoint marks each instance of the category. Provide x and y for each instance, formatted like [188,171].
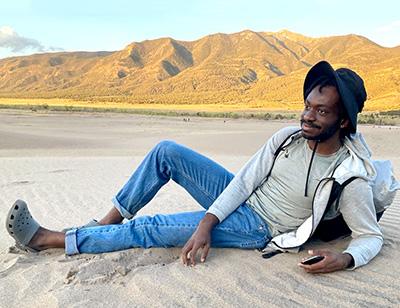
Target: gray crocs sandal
[21,225]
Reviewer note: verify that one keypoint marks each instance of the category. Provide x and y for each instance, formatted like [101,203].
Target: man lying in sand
[277,199]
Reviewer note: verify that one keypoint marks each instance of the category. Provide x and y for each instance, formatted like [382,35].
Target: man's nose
[309,115]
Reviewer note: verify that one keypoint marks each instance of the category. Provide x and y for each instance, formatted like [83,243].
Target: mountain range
[255,68]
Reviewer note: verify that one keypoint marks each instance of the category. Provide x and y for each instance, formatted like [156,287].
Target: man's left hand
[333,261]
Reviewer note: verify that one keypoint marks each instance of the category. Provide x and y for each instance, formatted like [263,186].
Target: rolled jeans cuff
[71,246]
[124,213]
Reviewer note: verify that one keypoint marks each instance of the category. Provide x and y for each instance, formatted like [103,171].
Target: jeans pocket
[258,238]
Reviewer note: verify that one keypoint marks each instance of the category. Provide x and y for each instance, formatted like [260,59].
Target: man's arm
[357,208]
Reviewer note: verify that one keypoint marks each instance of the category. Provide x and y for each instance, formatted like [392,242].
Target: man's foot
[27,233]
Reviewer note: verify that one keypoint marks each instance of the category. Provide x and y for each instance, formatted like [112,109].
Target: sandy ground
[69,166]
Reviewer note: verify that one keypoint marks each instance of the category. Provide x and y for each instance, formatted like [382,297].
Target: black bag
[331,229]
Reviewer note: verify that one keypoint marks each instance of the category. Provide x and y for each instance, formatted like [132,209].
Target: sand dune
[68,167]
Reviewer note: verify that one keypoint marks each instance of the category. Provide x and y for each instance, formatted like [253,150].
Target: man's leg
[242,229]
[201,177]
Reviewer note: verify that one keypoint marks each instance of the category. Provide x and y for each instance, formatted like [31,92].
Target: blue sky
[30,26]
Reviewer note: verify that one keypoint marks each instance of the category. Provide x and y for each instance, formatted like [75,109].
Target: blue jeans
[202,178]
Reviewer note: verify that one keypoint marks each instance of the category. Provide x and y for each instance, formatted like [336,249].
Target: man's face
[320,119]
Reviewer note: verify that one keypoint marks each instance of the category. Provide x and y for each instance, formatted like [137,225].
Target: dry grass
[240,107]
[256,110]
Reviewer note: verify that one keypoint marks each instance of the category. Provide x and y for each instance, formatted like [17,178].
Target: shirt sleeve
[249,177]
[358,211]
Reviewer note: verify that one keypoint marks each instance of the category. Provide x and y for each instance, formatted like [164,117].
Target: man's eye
[306,107]
[322,112]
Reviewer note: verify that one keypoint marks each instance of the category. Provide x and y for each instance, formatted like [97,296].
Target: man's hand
[333,261]
[201,239]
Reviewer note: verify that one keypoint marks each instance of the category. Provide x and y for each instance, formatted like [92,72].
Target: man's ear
[344,123]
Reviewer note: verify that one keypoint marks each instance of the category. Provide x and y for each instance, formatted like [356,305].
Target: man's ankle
[38,240]
[113,217]
[108,221]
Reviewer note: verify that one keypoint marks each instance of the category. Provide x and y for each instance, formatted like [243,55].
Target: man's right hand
[201,239]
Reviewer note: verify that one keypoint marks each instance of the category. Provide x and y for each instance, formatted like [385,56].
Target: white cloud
[387,35]
[11,40]
[389,27]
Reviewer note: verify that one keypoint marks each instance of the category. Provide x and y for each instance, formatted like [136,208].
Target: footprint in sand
[59,170]
[19,183]
[390,243]
[106,268]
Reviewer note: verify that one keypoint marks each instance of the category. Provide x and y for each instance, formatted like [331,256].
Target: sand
[68,166]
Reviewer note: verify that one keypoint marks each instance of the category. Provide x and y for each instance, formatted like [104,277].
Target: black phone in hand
[312,260]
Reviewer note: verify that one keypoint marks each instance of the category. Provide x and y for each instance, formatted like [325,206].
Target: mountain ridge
[242,67]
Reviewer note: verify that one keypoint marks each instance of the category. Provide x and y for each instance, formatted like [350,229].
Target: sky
[32,26]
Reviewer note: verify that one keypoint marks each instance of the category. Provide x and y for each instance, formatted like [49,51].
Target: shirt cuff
[216,213]
[354,264]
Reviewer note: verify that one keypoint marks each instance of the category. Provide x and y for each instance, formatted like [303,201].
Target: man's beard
[325,134]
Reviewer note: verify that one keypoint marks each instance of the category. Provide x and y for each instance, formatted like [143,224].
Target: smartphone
[312,260]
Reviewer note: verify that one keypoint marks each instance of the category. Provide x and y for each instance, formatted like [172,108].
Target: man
[279,197]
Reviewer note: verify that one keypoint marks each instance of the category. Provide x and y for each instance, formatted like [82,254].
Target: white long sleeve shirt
[356,203]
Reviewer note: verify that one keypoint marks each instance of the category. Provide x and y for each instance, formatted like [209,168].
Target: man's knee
[165,144]
[167,147]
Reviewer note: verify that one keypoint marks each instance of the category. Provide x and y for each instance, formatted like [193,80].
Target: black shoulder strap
[284,141]
[278,150]
[328,230]
[337,190]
